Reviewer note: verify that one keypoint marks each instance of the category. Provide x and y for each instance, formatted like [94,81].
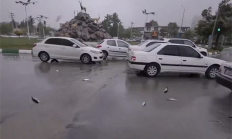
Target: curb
[15,51]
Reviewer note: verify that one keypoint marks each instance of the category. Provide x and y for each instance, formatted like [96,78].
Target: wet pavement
[109,104]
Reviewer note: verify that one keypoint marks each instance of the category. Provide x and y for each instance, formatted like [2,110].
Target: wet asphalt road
[109,105]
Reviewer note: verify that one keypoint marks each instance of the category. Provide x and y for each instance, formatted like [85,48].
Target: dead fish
[171,99]
[166,90]
[144,104]
[85,79]
[35,100]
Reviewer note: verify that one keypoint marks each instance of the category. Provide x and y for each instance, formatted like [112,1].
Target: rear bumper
[224,81]
[138,66]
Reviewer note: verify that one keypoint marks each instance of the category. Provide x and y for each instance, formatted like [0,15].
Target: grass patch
[17,43]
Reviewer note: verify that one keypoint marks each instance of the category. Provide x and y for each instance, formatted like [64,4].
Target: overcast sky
[128,10]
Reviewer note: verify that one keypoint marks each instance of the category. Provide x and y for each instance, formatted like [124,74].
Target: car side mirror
[75,46]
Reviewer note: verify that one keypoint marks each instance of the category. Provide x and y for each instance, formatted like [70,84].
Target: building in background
[152,30]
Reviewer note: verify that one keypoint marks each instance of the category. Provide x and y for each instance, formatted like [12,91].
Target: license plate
[228,72]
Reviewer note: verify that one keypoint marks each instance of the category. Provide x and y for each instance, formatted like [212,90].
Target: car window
[122,44]
[151,47]
[67,43]
[176,41]
[55,41]
[111,42]
[100,42]
[78,43]
[186,51]
[189,43]
[153,43]
[171,50]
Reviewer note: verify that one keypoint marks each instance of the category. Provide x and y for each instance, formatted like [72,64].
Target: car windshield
[79,43]
[151,47]
[142,43]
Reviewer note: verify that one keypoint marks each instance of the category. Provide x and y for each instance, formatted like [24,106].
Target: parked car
[224,77]
[113,47]
[168,57]
[145,44]
[203,51]
[66,48]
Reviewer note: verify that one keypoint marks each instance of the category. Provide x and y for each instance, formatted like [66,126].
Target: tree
[18,33]
[5,28]
[205,26]
[188,35]
[110,24]
[172,29]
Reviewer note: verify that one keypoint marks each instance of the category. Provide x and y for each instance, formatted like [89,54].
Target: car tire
[152,70]
[44,56]
[211,72]
[204,53]
[105,54]
[86,59]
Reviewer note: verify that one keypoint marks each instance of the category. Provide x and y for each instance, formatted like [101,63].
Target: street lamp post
[25,4]
[118,29]
[182,20]
[131,28]
[145,12]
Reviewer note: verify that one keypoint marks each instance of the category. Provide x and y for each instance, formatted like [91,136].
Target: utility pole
[145,12]
[12,20]
[118,28]
[182,20]
[41,18]
[131,28]
[25,5]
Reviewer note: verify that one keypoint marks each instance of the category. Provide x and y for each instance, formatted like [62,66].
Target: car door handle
[184,60]
[160,59]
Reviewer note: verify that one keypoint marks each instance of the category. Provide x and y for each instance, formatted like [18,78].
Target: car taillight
[34,45]
[99,46]
[133,58]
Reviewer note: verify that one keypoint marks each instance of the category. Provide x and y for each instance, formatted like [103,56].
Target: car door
[122,48]
[70,50]
[169,58]
[53,46]
[191,60]
[111,47]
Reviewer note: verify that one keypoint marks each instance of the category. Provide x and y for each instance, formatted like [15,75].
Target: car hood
[90,48]
[210,61]
[202,49]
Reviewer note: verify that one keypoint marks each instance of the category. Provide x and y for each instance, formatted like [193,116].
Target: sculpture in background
[82,7]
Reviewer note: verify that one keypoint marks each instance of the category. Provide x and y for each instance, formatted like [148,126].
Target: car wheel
[211,72]
[86,58]
[44,56]
[204,53]
[105,54]
[152,70]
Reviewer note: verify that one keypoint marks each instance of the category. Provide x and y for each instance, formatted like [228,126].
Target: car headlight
[95,52]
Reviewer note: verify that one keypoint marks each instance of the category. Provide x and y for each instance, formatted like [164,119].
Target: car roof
[156,41]
[58,38]
[167,39]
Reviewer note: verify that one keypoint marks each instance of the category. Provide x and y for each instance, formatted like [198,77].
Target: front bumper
[97,57]
[224,81]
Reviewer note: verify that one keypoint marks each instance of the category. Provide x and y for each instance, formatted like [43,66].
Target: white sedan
[67,49]
[169,57]
[113,47]
[224,77]
[145,44]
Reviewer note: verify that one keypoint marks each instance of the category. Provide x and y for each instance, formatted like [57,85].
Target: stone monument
[83,28]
